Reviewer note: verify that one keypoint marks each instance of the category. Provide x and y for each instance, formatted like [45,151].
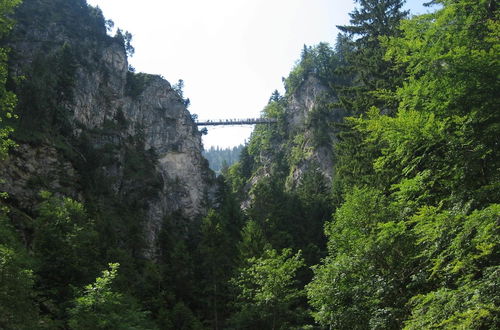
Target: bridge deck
[249,121]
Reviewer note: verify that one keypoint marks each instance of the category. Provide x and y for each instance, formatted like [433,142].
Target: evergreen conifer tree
[371,75]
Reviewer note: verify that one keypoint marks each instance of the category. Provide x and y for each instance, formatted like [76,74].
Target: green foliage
[7,103]
[411,143]
[416,246]
[316,207]
[453,83]
[240,172]
[356,220]
[125,38]
[17,307]
[264,145]
[220,159]
[74,18]
[458,246]
[456,75]
[267,291]
[16,291]
[275,109]
[100,307]
[8,99]
[253,243]
[179,88]
[461,253]
[371,77]
[177,263]
[45,96]
[354,168]
[45,86]
[274,211]
[261,140]
[180,317]
[137,83]
[319,61]
[119,215]
[299,151]
[421,135]
[217,252]
[362,279]
[473,305]
[339,294]
[413,241]
[64,245]
[321,121]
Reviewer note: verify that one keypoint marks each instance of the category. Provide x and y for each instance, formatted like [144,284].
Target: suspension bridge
[235,122]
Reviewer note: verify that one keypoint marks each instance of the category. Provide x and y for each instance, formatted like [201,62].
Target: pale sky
[231,54]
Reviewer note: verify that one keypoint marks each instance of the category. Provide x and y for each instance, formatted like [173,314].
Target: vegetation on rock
[372,203]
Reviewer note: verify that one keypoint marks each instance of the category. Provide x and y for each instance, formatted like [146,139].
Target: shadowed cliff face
[95,126]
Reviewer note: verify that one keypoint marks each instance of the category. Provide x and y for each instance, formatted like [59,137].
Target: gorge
[366,198]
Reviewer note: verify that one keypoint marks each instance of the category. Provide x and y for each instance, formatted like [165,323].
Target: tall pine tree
[372,77]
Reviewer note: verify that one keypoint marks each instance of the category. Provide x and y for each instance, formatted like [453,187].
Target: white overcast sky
[231,54]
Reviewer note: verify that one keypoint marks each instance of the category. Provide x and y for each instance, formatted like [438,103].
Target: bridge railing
[248,121]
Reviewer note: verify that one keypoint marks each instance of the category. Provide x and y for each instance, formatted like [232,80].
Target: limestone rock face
[305,104]
[301,104]
[304,141]
[109,110]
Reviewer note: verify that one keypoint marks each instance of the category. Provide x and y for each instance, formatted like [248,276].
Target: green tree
[364,281]
[8,99]
[267,292]
[367,79]
[275,211]
[253,242]
[65,246]
[100,307]
[217,261]
[18,308]
[17,296]
[416,245]
[452,61]
[371,75]
[180,317]
[179,88]
[320,61]
[314,195]
[220,159]
[125,38]
[179,289]
[461,255]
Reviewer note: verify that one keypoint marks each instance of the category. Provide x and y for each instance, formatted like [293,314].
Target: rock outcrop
[301,105]
[305,139]
[102,106]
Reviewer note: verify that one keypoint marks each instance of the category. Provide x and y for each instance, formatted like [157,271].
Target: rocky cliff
[301,142]
[91,128]
[307,112]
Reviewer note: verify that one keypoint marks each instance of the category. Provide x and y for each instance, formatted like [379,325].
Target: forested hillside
[106,185]
[220,158]
[410,213]
[372,203]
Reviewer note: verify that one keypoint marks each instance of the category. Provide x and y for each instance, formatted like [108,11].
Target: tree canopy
[373,202]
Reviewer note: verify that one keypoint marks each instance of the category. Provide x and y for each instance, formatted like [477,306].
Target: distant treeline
[220,158]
